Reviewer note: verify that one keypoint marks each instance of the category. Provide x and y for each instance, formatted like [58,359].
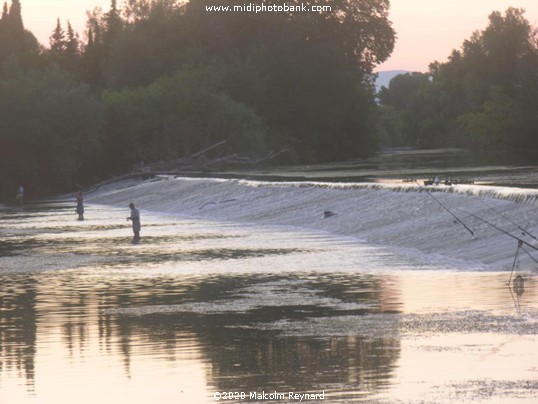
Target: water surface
[200,307]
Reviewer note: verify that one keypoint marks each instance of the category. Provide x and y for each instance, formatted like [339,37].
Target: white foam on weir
[395,215]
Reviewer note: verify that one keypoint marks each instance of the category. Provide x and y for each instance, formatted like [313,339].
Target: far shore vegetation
[153,81]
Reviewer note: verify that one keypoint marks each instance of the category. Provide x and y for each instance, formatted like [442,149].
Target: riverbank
[401,216]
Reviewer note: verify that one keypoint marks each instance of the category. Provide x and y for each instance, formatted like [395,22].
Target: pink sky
[40,16]
[427,30]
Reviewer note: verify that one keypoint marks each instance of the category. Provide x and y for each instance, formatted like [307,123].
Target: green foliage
[175,78]
[57,40]
[176,117]
[497,124]
[65,48]
[416,103]
[308,76]
[485,96]
[50,130]
[14,39]
[403,89]
[390,127]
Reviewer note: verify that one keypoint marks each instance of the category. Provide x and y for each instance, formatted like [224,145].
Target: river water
[207,308]
[200,308]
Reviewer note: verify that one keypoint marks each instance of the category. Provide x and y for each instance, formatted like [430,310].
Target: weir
[519,195]
[400,216]
[245,277]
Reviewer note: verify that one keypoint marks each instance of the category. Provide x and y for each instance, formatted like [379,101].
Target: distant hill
[384,78]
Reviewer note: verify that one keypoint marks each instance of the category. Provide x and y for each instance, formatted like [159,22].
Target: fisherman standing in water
[80,205]
[135,219]
[20,195]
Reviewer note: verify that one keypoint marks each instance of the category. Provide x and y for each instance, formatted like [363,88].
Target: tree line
[157,80]
[484,97]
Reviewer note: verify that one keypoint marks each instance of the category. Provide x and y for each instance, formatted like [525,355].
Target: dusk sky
[427,30]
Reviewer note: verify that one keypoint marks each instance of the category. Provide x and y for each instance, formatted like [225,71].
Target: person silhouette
[135,219]
[80,205]
[20,194]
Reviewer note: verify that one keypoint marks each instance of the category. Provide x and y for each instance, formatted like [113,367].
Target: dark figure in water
[20,195]
[80,206]
[135,219]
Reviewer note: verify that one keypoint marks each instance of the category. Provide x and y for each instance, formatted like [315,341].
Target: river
[229,295]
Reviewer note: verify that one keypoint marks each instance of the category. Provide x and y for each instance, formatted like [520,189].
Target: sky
[427,30]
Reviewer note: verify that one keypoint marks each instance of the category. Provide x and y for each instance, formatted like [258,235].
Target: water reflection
[199,307]
[18,327]
[69,312]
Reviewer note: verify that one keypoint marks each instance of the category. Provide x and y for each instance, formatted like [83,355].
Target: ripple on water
[199,307]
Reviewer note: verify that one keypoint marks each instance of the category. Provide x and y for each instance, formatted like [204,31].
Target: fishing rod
[529,254]
[507,219]
[448,210]
[518,278]
[515,261]
[521,241]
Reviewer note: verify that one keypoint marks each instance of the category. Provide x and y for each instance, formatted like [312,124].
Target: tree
[497,124]
[176,117]
[57,40]
[4,34]
[14,39]
[154,44]
[308,75]
[499,67]
[72,45]
[50,128]
[416,102]
[102,31]
[486,94]
[64,48]
[14,19]
[403,89]
[312,71]
[112,24]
